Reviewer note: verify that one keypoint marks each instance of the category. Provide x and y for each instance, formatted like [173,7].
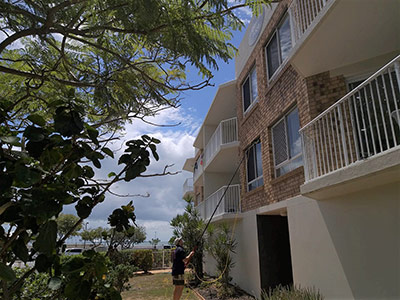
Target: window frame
[252,99]
[290,159]
[275,33]
[254,144]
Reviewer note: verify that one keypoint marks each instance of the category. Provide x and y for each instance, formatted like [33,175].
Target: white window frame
[252,99]
[287,161]
[276,33]
[255,165]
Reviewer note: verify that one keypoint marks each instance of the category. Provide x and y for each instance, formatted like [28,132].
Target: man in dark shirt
[179,262]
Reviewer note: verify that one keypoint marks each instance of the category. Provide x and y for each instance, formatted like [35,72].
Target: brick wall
[286,90]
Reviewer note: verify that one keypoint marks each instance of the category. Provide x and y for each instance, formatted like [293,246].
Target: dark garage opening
[274,251]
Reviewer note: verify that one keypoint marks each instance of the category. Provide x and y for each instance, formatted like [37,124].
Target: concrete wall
[348,246]
[246,272]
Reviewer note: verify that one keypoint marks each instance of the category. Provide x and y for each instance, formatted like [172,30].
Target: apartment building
[317,116]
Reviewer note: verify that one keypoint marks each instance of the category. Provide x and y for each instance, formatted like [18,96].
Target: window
[287,144]
[249,89]
[254,167]
[279,46]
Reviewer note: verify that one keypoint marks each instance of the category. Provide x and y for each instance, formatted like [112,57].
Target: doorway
[274,251]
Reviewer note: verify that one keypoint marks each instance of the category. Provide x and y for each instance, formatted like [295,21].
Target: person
[179,262]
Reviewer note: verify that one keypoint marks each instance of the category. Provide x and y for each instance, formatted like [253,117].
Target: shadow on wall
[365,230]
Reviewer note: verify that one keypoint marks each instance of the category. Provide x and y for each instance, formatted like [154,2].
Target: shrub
[158,258]
[35,286]
[291,293]
[119,275]
[143,259]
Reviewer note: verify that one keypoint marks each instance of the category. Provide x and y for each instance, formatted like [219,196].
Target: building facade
[317,110]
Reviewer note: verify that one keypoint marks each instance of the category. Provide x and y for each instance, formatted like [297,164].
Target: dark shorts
[178,279]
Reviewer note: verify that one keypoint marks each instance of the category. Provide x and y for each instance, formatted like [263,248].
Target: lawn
[155,287]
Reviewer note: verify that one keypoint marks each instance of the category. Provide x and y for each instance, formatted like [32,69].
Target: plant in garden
[221,245]
[72,72]
[190,226]
[291,293]
[143,259]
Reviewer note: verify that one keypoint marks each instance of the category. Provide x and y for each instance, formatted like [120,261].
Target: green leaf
[155,141]
[153,150]
[12,140]
[46,240]
[83,210]
[76,264]
[96,163]
[93,134]
[34,134]
[36,119]
[55,283]
[42,263]
[20,250]
[77,289]
[25,176]
[111,174]
[108,152]
[6,273]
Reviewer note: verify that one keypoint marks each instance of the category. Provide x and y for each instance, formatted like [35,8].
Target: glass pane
[290,166]
[272,56]
[251,172]
[279,141]
[246,94]
[293,133]
[285,39]
[259,160]
[254,92]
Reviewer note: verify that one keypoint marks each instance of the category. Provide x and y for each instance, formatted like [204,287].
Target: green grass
[155,287]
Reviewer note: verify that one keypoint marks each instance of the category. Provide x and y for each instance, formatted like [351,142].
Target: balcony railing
[364,123]
[230,203]
[225,133]
[303,14]
[188,186]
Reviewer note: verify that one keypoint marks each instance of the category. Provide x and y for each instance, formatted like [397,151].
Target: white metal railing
[225,133]
[302,14]
[364,123]
[229,204]
[188,186]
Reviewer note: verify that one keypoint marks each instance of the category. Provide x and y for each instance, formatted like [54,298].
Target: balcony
[188,187]
[332,34]
[229,207]
[363,125]
[224,137]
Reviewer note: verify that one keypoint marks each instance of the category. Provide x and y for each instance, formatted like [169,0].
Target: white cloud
[165,200]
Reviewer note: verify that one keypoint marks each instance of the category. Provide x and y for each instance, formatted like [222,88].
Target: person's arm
[187,259]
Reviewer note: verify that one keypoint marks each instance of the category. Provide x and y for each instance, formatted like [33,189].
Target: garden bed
[212,292]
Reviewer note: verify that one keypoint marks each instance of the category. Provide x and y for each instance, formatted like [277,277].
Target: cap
[177,240]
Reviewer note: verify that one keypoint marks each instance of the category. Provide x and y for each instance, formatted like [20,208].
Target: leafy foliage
[155,242]
[125,239]
[189,226]
[221,244]
[291,293]
[94,236]
[143,259]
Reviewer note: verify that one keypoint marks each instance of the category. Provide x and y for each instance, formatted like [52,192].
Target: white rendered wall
[246,272]
[348,246]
